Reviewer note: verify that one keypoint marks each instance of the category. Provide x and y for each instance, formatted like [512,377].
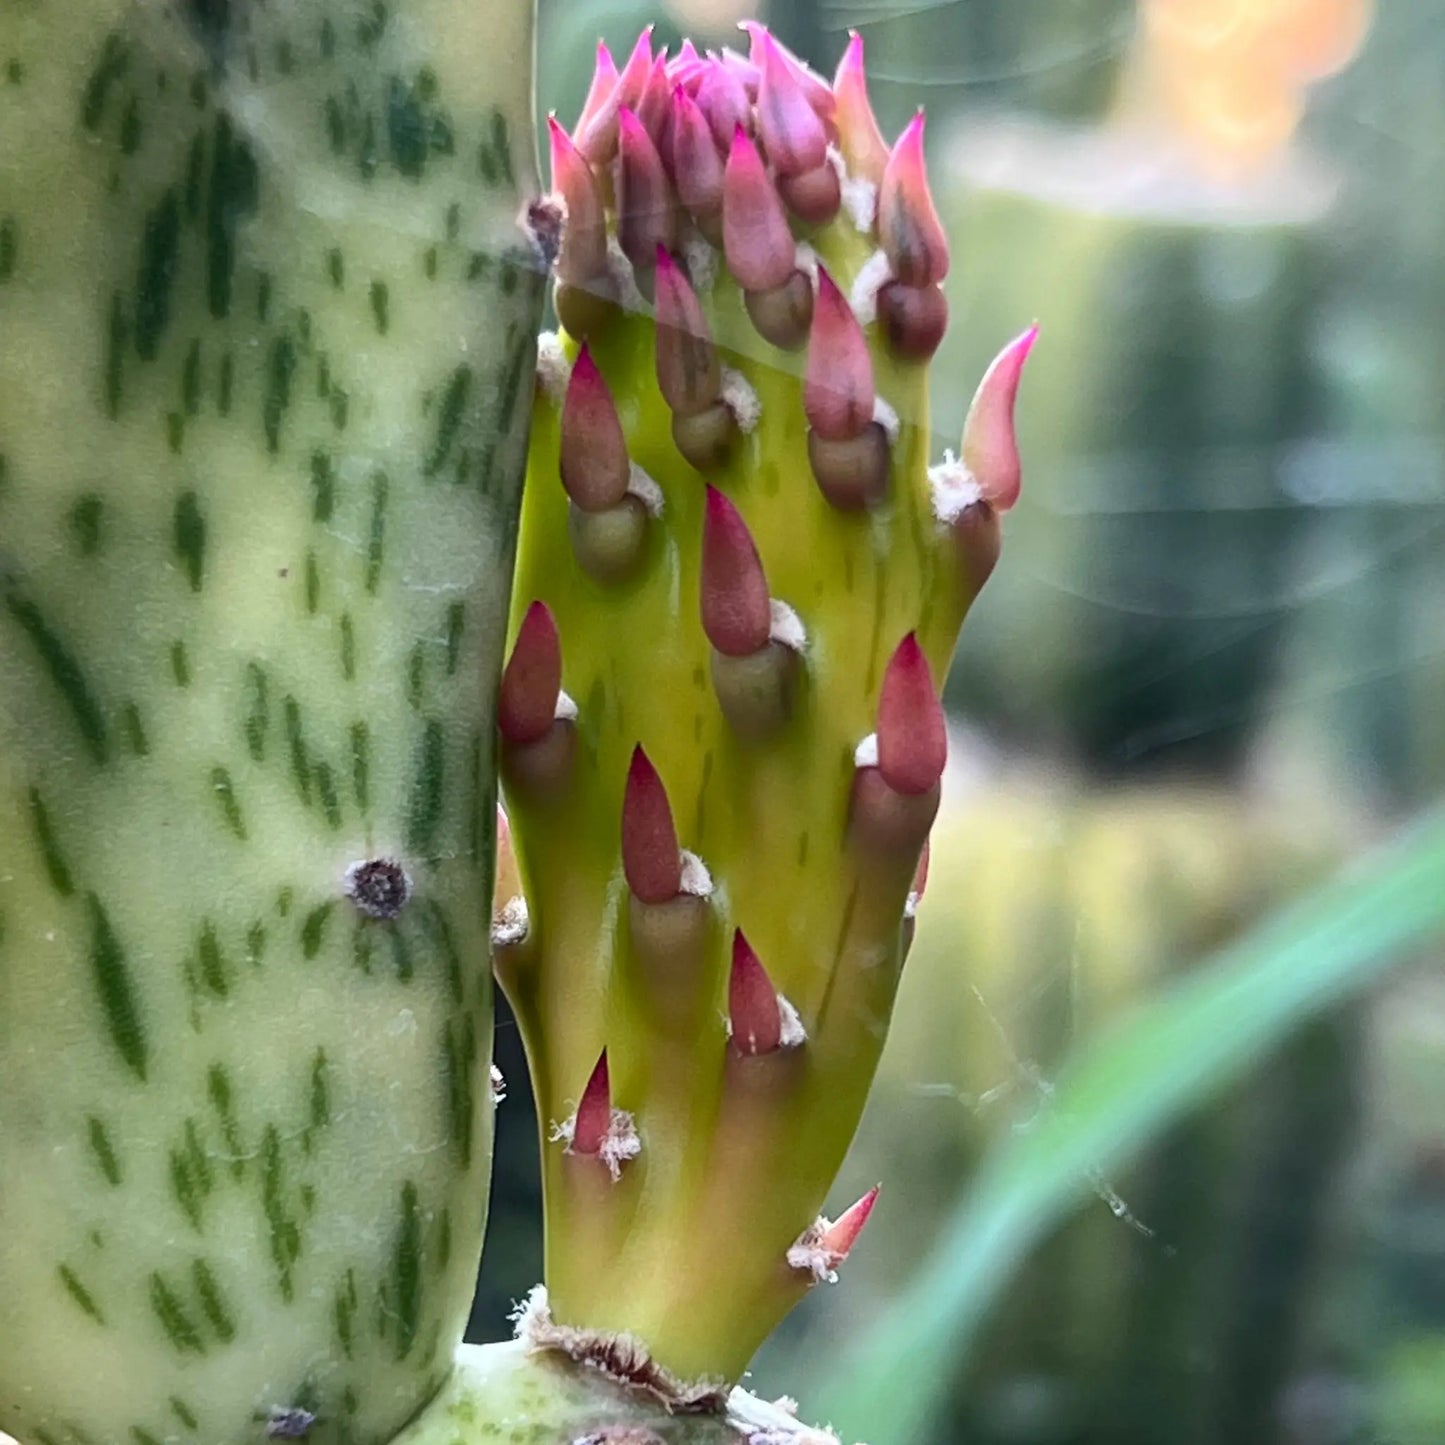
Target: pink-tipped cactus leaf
[990,446]
[815,89]
[754,1015]
[697,164]
[593,450]
[912,735]
[792,134]
[583,252]
[838,394]
[600,93]
[913,237]
[688,374]
[838,1239]
[724,102]
[646,213]
[594,1111]
[651,859]
[757,241]
[736,612]
[532,678]
[865,152]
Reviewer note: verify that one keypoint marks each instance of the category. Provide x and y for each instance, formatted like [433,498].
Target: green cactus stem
[739,585]
[267,326]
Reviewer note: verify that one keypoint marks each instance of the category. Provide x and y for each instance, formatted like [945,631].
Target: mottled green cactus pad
[266,333]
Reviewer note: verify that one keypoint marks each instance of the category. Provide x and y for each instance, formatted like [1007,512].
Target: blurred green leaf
[1171,1056]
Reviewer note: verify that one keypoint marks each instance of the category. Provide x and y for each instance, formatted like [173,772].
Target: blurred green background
[1209,671]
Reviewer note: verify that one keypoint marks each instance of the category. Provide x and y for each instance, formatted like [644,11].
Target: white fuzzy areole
[740,399]
[511,924]
[786,627]
[805,258]
[887,418]
[566,709]
[953,488]
[646,490]
[701,258]
[865,755]
[876,273]
[696,879]
[554,368]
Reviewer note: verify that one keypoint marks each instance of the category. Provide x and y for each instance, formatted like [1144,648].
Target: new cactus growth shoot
[739,584]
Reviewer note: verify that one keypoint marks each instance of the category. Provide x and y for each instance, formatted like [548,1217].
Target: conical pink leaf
[532,679]
[756,240]
[753,1011]
[912,736]
[594,1112]
[583,252]
[745,71]
[865,152]
[838,1239]
[600,92]
[688,374]
[697,166]
[724,103]
[687,68]
[838,395]
[990,447]
[736,611]
[595,466]
[651,859]
[908,226]
[655,102]
[791,132]
[597,139]
[815,89]
[646,213]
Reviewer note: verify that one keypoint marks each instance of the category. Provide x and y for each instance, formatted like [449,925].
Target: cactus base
[519,1392]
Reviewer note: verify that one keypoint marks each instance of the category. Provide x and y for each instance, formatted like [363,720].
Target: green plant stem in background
[1172,1055]
[267,321]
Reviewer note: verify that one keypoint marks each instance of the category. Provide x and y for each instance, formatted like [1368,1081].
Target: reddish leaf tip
[840,1236]
[594,1111]
[911,233]
[736,610]
[838,391]
[754,1014]
[990,443]
[532,678]
[912,734]
[651,858]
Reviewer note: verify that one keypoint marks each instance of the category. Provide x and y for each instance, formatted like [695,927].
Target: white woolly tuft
[499,1086]
[805,258]
[620,1143]
[860,200]
[554,369]
[910,907]
[787,627]
[865,755]
[741,400]
[887,418]
[953,487]
[511,923]
[642,486]
[877,272]
[696,880]
[793,1034]
[566,708]
[701,259]
[809,1256]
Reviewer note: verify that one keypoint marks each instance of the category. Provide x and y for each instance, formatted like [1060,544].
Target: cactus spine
[268,324]
[739,585]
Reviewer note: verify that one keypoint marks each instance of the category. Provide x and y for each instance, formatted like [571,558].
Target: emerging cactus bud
[908,225]
[742,1005]
[532,679]
[912,734]
[736,614]
[594,463]
[990,448]
[651,859]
